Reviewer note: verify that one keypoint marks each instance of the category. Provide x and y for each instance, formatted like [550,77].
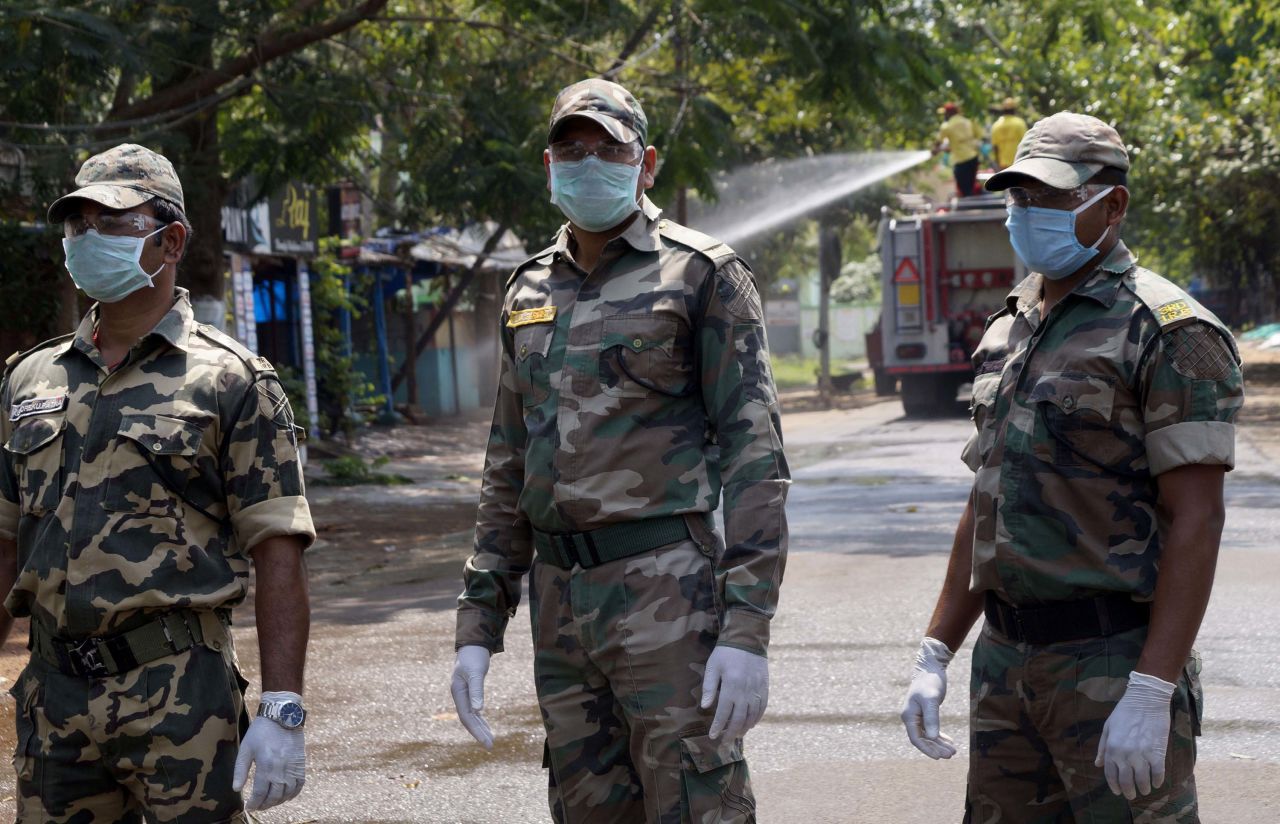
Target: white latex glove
[279,757]
[741,680]
[467,687]
[924,699]
[1135,737]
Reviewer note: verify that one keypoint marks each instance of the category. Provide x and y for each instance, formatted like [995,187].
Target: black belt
[1067,620]
[608,543]
[169,634]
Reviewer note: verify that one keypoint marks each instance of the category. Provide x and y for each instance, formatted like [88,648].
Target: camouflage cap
[121,178]
[1064,150]
[605,102]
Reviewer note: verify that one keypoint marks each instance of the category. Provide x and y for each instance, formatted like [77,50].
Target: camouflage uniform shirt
[642,389]
[1076,415]
[102,540]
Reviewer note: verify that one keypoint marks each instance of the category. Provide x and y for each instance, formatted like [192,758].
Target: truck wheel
[886,384]
[920,395]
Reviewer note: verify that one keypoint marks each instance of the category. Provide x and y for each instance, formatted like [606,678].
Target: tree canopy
[438,109]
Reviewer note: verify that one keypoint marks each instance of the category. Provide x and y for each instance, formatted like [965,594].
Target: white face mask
[108,268]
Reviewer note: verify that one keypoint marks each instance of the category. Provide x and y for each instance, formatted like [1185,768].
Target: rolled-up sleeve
[262,474]
[1192,392]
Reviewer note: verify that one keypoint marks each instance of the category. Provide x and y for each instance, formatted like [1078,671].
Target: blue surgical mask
[1046,240]
[595,195]
[108,268]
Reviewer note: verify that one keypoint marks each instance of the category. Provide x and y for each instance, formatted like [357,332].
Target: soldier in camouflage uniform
[146,459]
[635,390]
[1103,409]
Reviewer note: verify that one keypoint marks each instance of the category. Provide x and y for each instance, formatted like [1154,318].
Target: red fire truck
[945,271]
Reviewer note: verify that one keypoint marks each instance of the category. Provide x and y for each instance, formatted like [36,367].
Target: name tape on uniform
[524,317]
[37,406]
[1174,310]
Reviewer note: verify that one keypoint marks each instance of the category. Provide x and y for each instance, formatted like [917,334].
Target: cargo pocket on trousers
[25,696]
[716,784]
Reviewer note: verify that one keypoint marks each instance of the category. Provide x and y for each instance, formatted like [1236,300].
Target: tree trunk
[203,270]
[828,271]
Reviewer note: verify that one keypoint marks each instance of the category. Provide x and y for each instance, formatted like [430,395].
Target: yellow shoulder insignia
[524,317]
[1174,310]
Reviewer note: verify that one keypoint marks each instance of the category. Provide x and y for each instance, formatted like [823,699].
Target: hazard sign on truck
[944,273]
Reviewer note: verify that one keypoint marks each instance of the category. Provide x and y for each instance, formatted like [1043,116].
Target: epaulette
[1172,306]
[538,258]
[256,363]
[717,251]
[17,357]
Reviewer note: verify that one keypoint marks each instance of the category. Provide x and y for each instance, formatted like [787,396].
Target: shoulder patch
[718,252]
[538,258]
[1173,308]
[738,292]
[1198,352]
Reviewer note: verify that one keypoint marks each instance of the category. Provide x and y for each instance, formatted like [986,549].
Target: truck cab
[945,271]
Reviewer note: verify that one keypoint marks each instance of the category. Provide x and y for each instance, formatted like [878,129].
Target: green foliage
[859,281]
[352,470]
[341,390]
[1191,87]
[30,296]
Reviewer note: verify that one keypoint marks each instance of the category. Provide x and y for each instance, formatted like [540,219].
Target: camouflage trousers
[1036,717]
[620,651]
[157,743]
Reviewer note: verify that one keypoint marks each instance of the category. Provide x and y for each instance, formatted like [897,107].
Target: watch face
[291,715]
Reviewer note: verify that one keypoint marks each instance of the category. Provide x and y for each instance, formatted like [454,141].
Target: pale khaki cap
[1064,150]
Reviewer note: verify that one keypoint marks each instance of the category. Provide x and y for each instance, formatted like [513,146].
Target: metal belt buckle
[86,660]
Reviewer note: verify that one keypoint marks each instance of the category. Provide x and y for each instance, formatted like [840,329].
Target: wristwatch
[288,714]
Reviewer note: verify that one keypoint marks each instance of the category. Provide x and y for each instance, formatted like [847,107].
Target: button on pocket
[36,444]
[532,345]
[1080,425]
[641,355]
[133,483]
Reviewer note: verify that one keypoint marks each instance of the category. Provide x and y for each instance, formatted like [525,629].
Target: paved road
[872,512]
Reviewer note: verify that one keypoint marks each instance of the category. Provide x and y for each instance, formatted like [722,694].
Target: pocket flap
[34,434]
[640,333]
[985,389]
[162,435]
[1071,392]
[707,754]
[533,339]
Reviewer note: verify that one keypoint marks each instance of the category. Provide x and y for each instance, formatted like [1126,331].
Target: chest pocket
[36,444]
[644,354]
[532,345]
[1078,412]
[986,388]
[153,464]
